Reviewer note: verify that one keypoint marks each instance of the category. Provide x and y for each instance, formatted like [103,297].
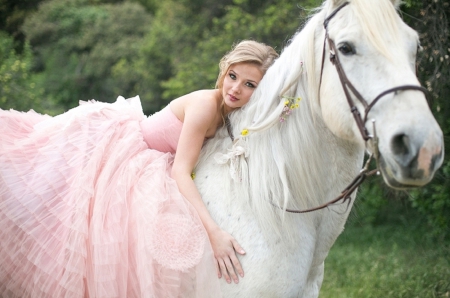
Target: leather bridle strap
[345,195]
[325,25]
[346,85]
[395,89]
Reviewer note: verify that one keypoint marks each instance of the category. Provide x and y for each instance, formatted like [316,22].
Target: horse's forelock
[380,24]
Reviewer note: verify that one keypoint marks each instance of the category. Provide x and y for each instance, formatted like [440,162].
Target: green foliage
[270,22]
[160,49]
[432,23]
[434,202]
[18,87]
[151,6]
[12,15]
[411,3]
[181,52]
[77,46]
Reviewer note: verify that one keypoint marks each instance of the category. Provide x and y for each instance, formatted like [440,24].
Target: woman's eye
[250,85]
[232,76]
[346,49]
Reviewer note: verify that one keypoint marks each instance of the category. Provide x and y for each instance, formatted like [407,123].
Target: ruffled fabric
[87,210]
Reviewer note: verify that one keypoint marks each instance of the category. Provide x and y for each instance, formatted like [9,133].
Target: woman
[87,210]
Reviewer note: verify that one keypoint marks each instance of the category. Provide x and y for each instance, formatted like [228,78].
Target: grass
[396,257]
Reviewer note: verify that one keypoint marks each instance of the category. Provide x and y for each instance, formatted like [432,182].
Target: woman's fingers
[235,260]
[237,247]
[237,266]
[230,269]
[227,269]
[224,270]
[231,265]
[219,273]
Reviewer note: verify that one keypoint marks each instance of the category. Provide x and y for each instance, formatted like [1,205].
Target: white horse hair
[311,157]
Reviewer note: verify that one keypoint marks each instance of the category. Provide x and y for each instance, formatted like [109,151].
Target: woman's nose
[236,88]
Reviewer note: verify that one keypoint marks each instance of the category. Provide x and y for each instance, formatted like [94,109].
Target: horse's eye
[346,49]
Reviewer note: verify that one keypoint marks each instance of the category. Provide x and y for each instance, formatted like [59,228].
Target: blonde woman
[87,210]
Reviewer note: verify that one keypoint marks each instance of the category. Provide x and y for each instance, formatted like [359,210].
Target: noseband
[348,87]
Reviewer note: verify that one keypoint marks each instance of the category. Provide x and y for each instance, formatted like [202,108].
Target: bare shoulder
[204,100]
[201,103]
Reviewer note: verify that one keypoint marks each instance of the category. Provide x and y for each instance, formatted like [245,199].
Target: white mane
[379,22]
[285,157]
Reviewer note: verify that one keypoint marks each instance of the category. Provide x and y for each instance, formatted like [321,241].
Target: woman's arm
[198,117]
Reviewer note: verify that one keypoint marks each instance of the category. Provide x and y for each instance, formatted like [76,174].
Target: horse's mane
[286,159]
[379,22]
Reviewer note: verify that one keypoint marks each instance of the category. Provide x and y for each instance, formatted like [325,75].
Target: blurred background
[55,53]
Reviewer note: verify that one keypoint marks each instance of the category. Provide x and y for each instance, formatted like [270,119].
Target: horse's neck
[316,164]
[300,163]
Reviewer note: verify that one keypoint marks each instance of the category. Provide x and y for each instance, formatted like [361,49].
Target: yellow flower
[244,132]
[193,175]
[292,107]
[296,105]
[286,102]
[299,98]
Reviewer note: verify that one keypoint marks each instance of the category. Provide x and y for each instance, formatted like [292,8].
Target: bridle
[348,87]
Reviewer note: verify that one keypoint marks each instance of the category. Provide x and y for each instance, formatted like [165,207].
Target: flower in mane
[290,104]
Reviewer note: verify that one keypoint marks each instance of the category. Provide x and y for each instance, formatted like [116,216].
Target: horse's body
[312,156]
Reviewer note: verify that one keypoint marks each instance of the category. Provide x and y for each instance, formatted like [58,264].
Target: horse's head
[375,52]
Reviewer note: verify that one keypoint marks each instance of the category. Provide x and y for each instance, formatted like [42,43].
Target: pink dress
[88,210]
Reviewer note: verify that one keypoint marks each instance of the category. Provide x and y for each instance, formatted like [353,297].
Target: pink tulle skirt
[87,210]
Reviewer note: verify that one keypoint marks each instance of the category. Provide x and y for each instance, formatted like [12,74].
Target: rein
[348,87]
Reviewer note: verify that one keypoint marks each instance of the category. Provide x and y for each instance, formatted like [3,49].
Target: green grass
[395,258]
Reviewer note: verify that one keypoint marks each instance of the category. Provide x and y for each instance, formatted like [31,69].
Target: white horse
[308,159]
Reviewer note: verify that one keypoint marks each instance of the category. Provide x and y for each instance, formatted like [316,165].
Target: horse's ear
[396,3]
[337,3]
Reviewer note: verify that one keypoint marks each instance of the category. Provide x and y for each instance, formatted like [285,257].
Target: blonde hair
[246,51]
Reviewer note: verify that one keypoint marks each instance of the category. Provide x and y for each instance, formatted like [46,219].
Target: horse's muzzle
[412,161]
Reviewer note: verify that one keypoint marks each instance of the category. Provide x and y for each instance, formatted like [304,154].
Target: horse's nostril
[400,144]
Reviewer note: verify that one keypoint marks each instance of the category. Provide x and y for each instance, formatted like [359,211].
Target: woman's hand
[225,248]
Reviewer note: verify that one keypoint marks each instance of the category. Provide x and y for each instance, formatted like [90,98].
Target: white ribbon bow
[236,156]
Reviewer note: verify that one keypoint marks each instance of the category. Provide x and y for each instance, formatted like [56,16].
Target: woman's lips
[232,98]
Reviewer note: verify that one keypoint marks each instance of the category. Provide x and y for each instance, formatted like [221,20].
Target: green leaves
[77,46]
[196,64]
[18,87]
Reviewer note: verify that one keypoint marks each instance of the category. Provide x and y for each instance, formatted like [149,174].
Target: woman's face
[239,83]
